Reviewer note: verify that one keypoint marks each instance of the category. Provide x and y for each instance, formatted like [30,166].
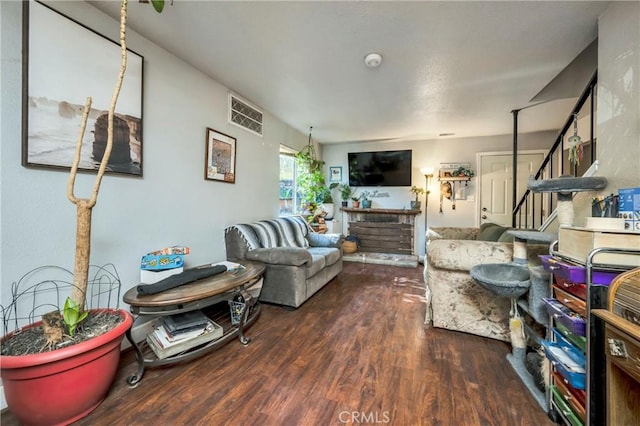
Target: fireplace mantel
[388,231]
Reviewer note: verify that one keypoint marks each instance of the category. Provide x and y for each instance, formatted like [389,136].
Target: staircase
[555,164]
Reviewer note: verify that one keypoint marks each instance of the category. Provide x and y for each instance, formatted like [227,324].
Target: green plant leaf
[72,316]
[158,5]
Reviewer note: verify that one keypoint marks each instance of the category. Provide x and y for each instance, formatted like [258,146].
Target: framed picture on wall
[220,157]
[335,174]
[66,63]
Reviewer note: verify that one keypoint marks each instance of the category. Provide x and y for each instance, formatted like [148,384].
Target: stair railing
[547,169]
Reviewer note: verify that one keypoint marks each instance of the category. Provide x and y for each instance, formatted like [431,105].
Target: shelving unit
[595,409]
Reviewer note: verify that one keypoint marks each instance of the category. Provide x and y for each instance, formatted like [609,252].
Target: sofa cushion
[490,232]
[317,264]
[330,254]
[291,256]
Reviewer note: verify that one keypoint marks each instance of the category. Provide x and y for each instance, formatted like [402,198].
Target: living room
[173,204]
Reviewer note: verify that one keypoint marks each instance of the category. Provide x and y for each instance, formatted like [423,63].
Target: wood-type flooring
[357,352]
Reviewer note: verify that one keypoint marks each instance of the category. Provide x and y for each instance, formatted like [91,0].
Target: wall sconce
[428,175]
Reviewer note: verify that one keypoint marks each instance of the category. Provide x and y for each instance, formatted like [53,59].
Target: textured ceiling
[448,67]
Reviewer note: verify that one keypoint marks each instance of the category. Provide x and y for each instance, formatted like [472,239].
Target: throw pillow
[506,237]
[490,232]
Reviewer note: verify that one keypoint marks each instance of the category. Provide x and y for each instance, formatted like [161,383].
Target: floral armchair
[454,300]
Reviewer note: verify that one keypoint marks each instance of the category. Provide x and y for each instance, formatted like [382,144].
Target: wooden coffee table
[203,294]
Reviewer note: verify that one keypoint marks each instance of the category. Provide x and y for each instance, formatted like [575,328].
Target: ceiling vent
[244,115]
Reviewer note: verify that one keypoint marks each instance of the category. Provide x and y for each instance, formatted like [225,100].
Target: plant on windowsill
[63,382]
[417,191]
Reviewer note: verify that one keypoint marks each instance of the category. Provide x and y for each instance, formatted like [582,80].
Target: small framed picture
[335,174]
[220,157]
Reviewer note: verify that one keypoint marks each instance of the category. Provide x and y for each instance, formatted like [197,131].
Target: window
[289,197]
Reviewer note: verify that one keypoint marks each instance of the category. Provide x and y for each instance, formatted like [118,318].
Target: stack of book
[178,333]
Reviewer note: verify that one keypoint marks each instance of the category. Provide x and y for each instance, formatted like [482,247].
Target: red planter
[64,385]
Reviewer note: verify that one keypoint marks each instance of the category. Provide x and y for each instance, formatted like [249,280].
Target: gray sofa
[299,261]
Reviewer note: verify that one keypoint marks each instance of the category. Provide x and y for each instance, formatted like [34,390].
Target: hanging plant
[311,181]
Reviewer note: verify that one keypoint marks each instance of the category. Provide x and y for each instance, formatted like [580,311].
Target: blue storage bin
[567,360]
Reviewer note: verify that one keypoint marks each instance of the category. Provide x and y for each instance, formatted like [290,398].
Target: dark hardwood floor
[355,353]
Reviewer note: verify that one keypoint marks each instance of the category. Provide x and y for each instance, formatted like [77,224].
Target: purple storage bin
[569,319]
[575,273]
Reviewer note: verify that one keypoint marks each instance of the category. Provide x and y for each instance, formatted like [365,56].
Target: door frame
[479,156]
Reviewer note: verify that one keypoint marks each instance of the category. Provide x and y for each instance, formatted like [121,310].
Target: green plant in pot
[355,199]
[417,191]
[345,193]
[463,172]
[311,179]
[63,381]
[325,199]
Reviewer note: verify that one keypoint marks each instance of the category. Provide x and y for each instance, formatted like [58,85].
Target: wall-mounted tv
[380,168]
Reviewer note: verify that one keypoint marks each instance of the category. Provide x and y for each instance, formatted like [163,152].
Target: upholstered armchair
[454,300]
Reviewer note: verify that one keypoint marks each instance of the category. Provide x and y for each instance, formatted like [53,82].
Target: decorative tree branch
[84,205]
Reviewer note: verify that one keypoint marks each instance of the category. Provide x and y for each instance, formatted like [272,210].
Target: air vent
[244,115]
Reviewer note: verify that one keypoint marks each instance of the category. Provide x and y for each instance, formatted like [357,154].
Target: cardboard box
[629,208]
[172,250]
[576,243]
[153,262]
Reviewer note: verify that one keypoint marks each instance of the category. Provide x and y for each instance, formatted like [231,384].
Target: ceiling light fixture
[373,60]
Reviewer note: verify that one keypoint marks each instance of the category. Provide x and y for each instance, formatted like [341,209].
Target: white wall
[618,101]
[430,153]
[171,204]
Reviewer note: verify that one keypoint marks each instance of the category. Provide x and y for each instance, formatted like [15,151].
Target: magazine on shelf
[187,321]
[231,266]
[160,344]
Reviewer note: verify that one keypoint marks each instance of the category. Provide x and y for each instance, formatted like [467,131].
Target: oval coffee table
[244,284]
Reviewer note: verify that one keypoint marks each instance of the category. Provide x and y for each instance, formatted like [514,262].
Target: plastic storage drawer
[567,360]
[565,316]
[570,301]
[575,273]
[564,409]
[579,342]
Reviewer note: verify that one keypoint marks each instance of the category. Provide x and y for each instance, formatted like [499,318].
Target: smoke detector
[373,60]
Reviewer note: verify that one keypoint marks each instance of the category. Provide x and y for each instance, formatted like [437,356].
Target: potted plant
[417,191]
[345,193]
[326,200]
[463,172]
[364,198]
[355,201]
[64,384]
[311,180]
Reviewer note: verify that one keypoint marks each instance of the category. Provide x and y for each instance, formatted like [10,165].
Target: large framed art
[220,157]
[64,62]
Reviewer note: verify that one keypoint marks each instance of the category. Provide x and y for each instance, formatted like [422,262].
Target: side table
[202,294]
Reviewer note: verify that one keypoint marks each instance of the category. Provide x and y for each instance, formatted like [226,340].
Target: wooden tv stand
[203,294]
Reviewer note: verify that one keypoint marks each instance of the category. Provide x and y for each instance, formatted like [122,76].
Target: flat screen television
[380,168]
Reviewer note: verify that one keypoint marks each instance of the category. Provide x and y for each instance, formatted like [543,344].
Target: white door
[496,185]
